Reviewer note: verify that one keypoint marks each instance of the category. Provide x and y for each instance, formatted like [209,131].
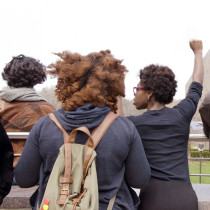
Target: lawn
[194,168]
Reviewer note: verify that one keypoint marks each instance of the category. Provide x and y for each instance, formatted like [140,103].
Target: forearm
[198,72]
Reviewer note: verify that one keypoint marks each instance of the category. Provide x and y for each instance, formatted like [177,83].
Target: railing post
[189,150]
[200,167]
[209,144]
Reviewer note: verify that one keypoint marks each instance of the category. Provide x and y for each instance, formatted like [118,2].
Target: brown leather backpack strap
[96,137]
[83,129]
[65,134]
[66,180]
[90,147]
[87,158]
[98,132]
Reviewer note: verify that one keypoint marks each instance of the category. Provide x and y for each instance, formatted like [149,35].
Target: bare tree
[49,94]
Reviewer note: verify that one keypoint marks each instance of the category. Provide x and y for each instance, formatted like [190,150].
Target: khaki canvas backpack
[73,181]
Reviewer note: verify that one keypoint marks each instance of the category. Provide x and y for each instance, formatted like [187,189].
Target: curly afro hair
[161,80]
[24,71]
[97,78]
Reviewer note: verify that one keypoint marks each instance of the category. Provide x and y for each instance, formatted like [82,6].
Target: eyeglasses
[135,89]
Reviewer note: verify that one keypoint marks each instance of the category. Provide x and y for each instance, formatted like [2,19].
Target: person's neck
[154,105]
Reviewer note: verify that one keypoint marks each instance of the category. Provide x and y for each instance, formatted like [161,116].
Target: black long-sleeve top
[6,162]
[165,134]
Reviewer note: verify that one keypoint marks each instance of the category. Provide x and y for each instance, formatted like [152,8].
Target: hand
[196,46]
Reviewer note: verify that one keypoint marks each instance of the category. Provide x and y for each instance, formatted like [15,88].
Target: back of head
[24,71]
[161,80]
[97,78]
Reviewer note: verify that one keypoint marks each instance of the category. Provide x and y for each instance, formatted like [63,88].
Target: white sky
[140,32]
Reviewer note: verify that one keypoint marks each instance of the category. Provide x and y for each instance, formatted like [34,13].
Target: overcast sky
[140,32]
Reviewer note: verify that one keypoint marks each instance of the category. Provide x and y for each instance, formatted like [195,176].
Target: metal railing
[199,138]
[16,136]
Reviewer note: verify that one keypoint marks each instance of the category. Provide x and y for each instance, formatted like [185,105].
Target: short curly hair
[161,80]
[23,71]
[96,78]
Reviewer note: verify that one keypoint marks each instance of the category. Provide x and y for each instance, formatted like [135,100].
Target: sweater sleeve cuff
[1,199]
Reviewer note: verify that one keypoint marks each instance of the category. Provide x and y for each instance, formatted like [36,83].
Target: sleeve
[137,170]
[28,167]
[204,110]
[131,118]
[6,164]
[187,107]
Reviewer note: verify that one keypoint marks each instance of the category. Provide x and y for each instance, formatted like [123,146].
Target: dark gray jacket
[121,161]
[6,162]
[204,110]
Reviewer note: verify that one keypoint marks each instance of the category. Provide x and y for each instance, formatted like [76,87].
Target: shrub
[194,149]
[206,154]
[195,154]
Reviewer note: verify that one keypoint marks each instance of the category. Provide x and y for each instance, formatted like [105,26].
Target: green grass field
[194,168]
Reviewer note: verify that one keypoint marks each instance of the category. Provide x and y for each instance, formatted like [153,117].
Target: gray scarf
[20,94]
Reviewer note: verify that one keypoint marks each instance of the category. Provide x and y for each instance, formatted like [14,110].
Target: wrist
[198,52]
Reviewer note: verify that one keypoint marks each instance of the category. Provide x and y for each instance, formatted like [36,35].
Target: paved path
[19,198]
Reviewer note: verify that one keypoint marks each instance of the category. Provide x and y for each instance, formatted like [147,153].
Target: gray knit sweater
[120,162]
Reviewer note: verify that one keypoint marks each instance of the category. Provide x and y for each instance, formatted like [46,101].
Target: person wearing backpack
[88,87]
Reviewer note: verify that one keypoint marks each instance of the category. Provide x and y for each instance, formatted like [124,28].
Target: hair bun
[105,52]
[108,51]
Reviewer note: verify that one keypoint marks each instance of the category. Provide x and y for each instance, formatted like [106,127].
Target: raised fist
[196,45]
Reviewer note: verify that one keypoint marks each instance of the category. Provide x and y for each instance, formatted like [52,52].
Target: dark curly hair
[161,80]
[24,71]
[97,78]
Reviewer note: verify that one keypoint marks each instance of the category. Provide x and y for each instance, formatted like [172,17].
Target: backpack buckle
[64,192]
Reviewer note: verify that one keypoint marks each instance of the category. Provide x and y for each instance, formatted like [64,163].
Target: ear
[149,93]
